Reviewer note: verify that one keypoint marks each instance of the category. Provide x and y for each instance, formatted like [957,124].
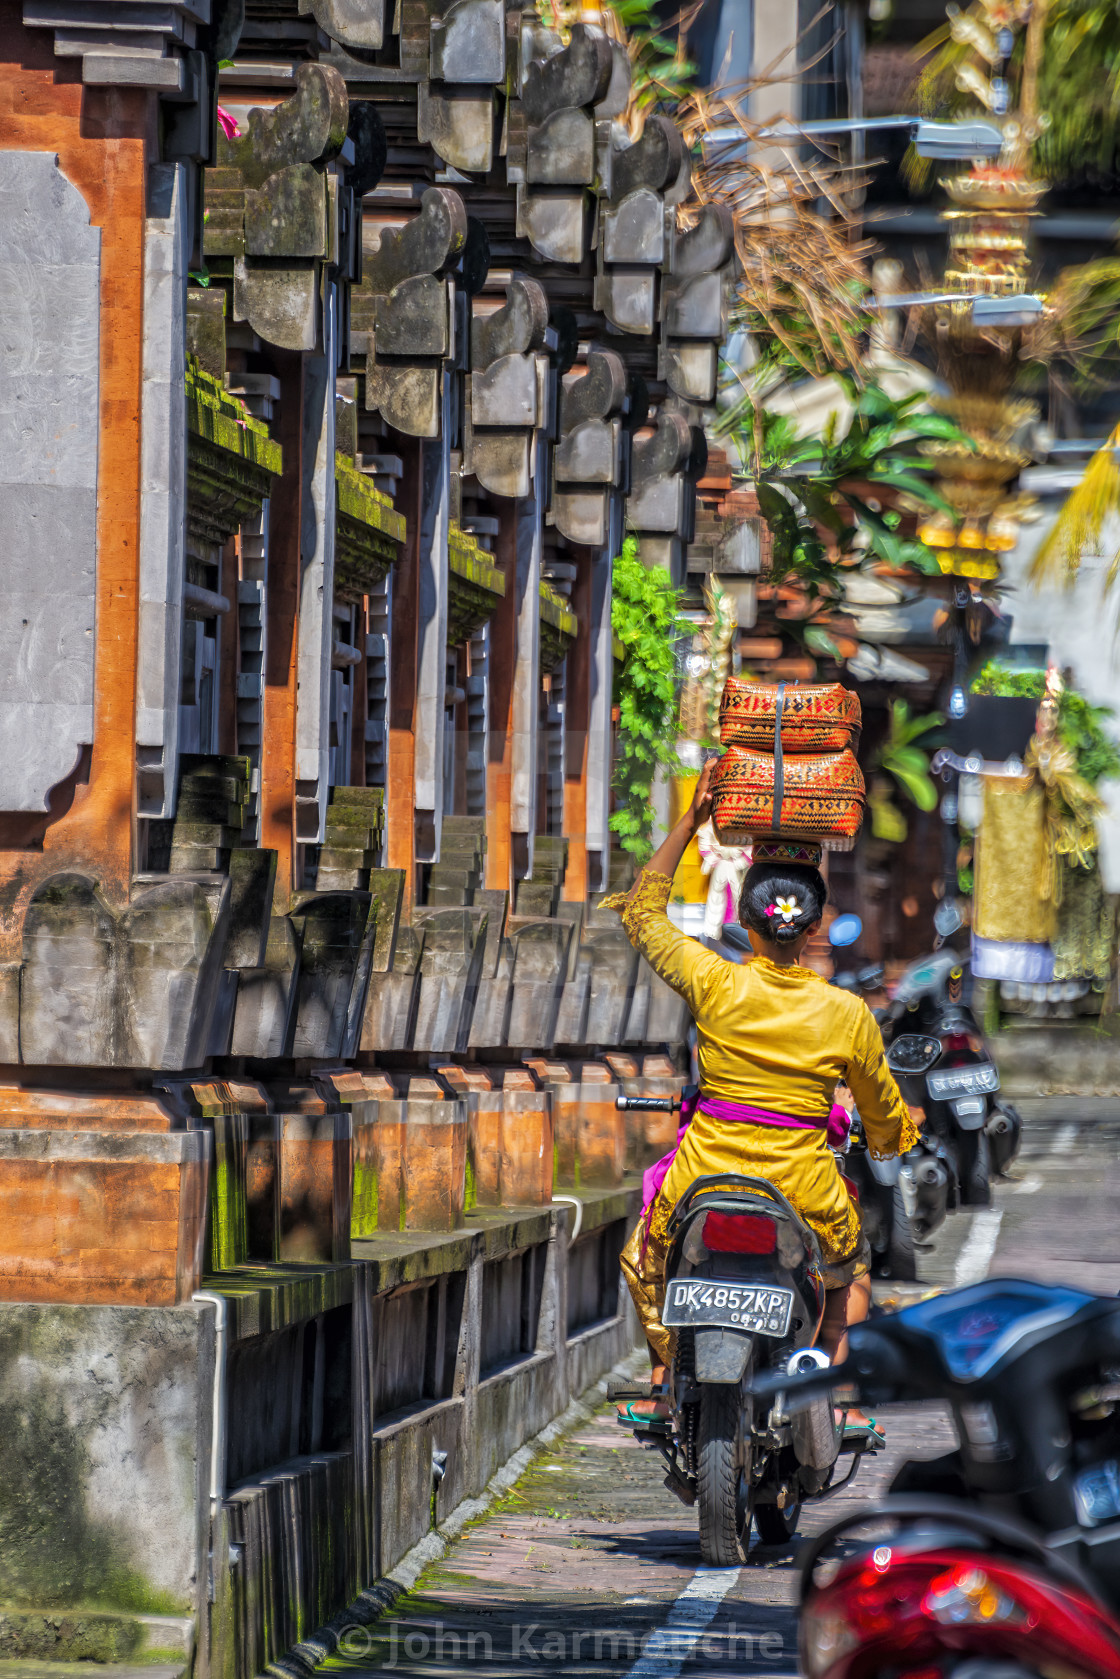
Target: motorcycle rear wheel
[974,1161]
[723,1478]
[901,1264]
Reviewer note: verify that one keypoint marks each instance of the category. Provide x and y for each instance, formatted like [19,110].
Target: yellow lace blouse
[775,1037]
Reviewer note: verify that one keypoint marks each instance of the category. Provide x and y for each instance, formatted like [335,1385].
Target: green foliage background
[644,609]
[1080,724]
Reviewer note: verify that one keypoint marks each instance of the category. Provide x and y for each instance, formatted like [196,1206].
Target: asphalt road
[590,1567]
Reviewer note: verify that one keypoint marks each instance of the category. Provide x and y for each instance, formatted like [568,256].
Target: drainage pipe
[218,1418]
[571,1201]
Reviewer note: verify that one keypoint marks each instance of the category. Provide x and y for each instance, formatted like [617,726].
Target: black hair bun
[768,892]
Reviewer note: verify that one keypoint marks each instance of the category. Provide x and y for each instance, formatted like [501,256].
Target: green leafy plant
[1080,723]
[660,73]
[644,608]
[829,483]
[817,494]
[907,765]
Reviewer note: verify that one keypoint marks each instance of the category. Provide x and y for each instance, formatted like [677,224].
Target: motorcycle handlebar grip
[647,1104]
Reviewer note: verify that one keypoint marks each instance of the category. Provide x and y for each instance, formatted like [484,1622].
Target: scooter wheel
[901,1263]
[774,1526]
[722,1482]
[975,1160]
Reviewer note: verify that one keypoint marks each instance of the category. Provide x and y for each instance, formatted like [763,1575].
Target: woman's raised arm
[681,962]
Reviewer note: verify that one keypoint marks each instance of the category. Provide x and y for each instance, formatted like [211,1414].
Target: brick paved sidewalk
[586,1558]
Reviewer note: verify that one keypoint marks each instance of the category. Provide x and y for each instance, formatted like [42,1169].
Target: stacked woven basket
[790,769]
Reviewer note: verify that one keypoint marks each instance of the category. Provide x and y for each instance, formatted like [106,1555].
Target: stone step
[100,1670]
[363,798]
[47,1639]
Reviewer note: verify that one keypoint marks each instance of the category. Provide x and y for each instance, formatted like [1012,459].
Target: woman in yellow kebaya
[773,1041]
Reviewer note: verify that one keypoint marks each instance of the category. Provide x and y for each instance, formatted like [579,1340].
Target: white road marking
[1029,1186]
[669,1647]
[980,1247]
[1064,1138]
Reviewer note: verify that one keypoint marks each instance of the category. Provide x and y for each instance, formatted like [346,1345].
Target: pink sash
[738,1113]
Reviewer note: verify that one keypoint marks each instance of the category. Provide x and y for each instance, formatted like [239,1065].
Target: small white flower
[788,908]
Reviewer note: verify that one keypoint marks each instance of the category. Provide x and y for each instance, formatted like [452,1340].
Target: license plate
[762,1311]
[977,1080]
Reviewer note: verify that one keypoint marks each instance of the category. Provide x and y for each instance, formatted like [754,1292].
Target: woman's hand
[700,809]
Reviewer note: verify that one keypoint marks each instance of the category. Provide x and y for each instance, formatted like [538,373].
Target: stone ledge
[167,1148]
[263,1298]
[30,1637]
[224,420]
[80,1669]
[489,1233]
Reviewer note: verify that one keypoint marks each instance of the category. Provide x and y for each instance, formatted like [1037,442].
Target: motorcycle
[744,1292]
[903,1201]
[888,1192]
[979,1131]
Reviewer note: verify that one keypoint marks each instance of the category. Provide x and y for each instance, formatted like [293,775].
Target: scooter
[887,1191]
[902,1201]
[744,1292]
[978,1129]
[1000,1560]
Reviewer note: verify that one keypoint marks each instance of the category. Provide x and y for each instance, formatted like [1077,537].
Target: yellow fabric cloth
[777,1038]
[1010,904]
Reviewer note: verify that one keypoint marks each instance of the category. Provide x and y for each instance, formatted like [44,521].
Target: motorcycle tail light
[957,1043]
[867,1605]
[916,1605]
[740,1233]
[967,1596]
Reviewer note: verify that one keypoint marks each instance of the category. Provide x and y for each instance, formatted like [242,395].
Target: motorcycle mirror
[845,930]
[947,917]
[913,1053]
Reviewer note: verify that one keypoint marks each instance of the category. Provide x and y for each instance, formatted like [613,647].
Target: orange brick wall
[94,1230]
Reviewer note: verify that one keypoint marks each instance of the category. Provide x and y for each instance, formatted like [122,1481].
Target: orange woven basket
[816,717]
[820,798]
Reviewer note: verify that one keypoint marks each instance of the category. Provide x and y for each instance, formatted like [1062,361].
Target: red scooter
[1000,1560]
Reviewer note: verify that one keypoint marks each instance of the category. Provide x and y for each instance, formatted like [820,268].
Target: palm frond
[1078,527]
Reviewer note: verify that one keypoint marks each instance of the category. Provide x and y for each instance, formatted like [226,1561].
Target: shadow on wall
[91,1411]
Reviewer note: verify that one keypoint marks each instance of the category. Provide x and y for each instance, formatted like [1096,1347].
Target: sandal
[642,1422]
[869,1433]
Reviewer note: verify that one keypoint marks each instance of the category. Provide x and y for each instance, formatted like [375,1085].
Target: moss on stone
[475,585]
[559,626]
[364,1206]
[222,419]
[51,1552]
[369,531]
